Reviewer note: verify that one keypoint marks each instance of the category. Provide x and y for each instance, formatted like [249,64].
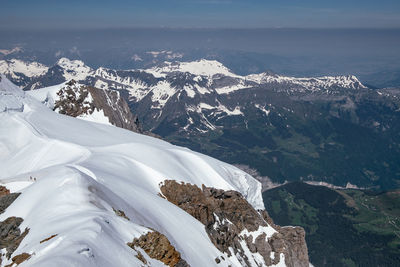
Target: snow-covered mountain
[205,76]
[205,106]
[22,72]
[208,77]
[75,192]
[159,84]
[203,84]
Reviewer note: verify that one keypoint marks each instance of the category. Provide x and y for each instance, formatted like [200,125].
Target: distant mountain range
[332,129]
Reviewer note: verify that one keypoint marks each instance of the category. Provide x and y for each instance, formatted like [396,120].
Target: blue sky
[200,13]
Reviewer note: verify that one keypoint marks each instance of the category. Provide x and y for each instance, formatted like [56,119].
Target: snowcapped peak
[352,78]
[13,67]
[74,69]
[201,67]
[311,83]
[67,63]
[101,71]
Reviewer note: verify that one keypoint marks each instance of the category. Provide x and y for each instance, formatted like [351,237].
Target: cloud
[75,50]
[10,51]
[136,57]
[58,54]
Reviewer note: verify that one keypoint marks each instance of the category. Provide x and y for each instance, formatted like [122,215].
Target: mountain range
[332,129]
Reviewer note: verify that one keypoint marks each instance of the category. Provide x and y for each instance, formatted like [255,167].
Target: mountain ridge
[76,69]
[284,127]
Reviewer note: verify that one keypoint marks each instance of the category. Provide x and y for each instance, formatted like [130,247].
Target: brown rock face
[157,246]
[49,238]
[296,249]
[10,234]
[19,259]
[115,108]
[225,214]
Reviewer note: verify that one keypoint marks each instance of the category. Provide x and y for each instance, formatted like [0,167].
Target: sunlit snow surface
[72,173]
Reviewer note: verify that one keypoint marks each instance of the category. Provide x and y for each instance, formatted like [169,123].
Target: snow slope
[74,69]
[82,170]
[10,95]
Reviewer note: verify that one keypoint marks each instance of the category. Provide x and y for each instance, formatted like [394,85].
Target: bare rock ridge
[10,234]
[80,100]
[230,220]
[292,238]
[115,108]
[157,246]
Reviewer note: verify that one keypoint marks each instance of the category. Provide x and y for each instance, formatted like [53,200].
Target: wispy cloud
[75,50]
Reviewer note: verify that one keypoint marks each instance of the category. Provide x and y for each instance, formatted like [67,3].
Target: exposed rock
[73,100]
[226,214]
[4,191]
[115,108]
[10,234]
[19,259]
[158,247]
[47,239]
[121,214]
[140,257]
[204,203]
[294,247]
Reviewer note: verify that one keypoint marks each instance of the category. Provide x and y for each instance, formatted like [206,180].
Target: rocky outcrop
[6,198]
[49,238]
[18,259]
[74,100]
[120,213]
[291,242]
[158,247]
[79,100]
[234,225]
[10,234]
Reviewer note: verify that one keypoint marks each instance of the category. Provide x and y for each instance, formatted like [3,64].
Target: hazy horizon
[200,13]
[300,52]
